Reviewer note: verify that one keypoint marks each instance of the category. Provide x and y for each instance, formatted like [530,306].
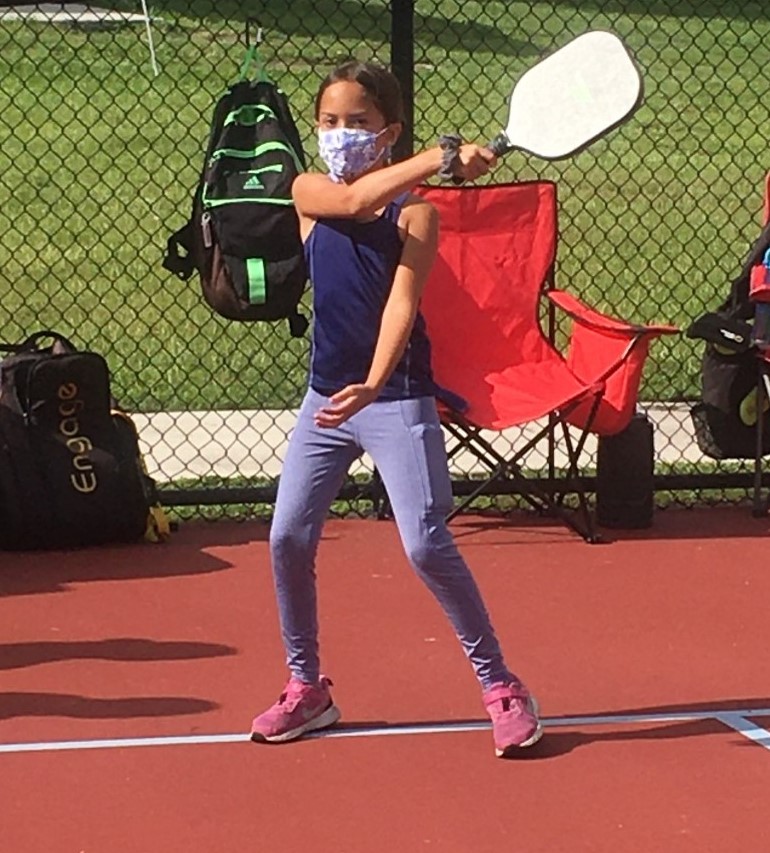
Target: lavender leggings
[404,439]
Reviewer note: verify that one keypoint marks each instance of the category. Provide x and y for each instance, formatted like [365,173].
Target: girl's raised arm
[318,197]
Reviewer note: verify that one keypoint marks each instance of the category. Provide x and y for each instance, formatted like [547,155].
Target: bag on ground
[726,416]
[71,471]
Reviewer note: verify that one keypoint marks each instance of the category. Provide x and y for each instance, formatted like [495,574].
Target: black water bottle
[625,492]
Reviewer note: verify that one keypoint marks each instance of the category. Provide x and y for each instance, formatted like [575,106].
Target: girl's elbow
[356,204]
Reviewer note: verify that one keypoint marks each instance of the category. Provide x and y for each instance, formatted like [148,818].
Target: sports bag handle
[253,56]
[30,344]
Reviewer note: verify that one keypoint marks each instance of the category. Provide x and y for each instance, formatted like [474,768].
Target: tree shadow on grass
[747,10]
[346,19]
[446,25]
[339,16]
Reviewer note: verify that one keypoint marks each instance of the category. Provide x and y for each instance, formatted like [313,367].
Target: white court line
[733,719]
[738,722]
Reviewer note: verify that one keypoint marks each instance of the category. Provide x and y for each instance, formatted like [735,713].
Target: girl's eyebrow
[327,114]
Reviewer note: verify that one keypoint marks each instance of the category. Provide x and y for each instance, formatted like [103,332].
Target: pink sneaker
[300,708]
[514,717]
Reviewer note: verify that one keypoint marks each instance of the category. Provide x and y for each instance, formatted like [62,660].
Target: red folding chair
[482,306]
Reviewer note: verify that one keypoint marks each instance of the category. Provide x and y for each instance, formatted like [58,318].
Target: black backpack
[71,472]
[243,236]
[725,419]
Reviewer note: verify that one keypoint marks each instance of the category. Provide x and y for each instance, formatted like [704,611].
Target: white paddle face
[572,97]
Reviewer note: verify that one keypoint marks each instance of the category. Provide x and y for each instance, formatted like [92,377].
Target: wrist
[449,144]
[428,161]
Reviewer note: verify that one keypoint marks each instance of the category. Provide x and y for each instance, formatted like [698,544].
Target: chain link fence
[104,115]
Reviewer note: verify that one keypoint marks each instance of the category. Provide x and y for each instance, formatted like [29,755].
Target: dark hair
[380,84]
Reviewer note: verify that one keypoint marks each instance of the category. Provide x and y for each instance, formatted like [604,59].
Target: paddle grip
[499,145]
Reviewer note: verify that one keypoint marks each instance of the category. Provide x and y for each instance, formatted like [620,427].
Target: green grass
[98,160]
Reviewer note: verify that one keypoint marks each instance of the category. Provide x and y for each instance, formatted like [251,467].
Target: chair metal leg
[542,500]
[470,438]
[380,498]
[759,506]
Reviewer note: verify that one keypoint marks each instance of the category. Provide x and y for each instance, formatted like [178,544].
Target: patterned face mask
[349,151]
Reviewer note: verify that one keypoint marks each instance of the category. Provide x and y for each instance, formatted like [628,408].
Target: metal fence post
[402,64]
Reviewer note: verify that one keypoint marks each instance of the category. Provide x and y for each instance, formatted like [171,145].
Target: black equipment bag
[725,420]
[71,472]
[243,235]
[625,484]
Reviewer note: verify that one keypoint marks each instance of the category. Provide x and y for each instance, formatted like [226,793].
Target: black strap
[181,265]
[298,324]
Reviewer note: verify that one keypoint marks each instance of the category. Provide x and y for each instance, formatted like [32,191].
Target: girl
[370,244]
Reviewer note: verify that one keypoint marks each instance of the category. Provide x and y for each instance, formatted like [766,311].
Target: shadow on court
[185,553]
[87,707]
[561,739]
[18,655]
[677,523]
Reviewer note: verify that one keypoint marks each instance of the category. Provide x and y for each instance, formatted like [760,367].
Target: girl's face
[347,104]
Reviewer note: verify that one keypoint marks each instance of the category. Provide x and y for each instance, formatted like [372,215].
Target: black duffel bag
[71,471]
[725,420]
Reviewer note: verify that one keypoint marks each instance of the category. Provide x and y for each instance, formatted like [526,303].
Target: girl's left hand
[344,404]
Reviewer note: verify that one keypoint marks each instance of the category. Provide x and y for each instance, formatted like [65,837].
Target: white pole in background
[148,26]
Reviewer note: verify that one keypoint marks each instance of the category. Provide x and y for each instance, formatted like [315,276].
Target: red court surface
[648,655]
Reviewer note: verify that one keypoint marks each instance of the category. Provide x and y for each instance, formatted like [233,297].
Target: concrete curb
[251,443]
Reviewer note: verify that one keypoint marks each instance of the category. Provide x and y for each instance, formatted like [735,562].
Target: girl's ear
[393,132]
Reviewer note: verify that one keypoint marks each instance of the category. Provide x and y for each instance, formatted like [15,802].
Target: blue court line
[736,720]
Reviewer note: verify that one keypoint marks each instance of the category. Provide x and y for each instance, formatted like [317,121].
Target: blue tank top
[351,265]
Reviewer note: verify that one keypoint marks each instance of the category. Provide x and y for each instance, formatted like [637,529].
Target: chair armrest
[605,349]
[586,316]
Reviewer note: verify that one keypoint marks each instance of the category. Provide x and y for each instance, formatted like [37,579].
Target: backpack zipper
[206,229]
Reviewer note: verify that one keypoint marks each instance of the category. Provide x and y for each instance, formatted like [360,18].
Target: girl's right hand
[473,161]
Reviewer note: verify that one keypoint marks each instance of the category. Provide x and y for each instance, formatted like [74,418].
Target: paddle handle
[499,145]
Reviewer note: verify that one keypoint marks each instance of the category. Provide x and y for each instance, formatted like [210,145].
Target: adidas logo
[255,182]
